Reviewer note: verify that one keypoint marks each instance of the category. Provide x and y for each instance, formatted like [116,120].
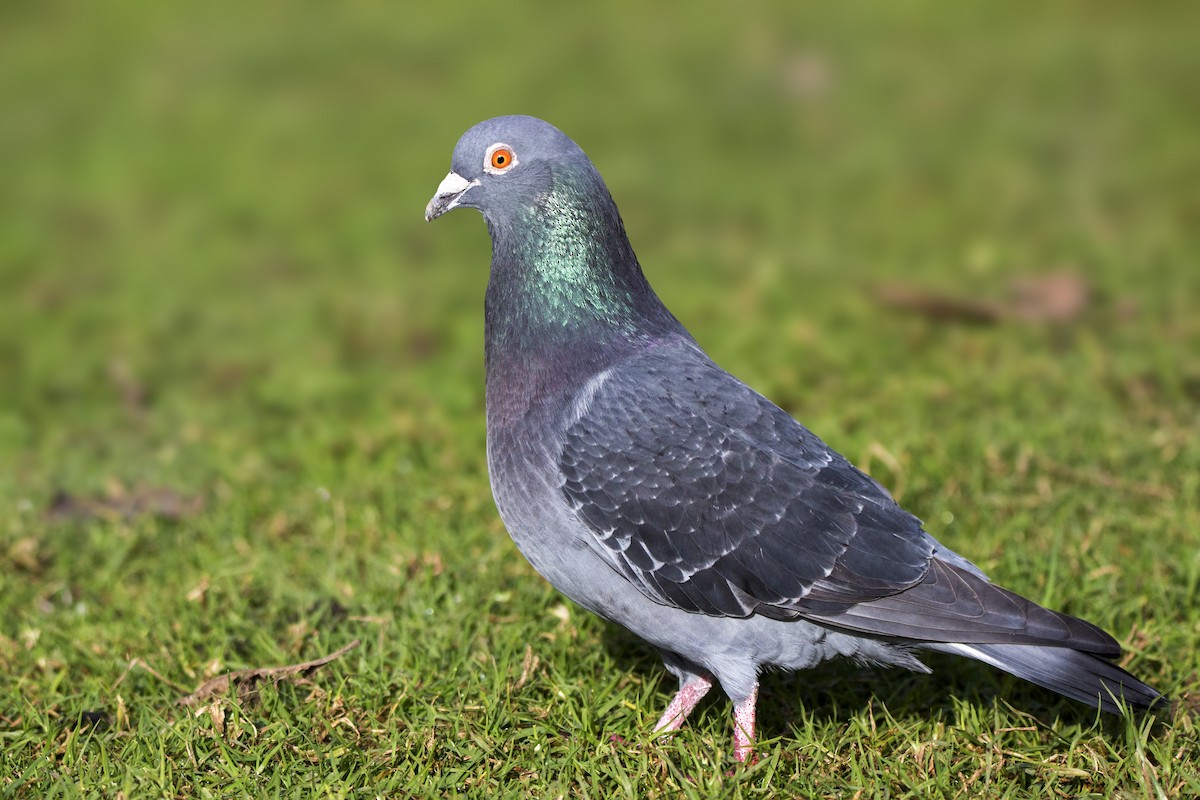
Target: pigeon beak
[449,194]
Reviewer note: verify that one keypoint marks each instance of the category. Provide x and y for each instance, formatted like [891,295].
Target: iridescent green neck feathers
[564,274]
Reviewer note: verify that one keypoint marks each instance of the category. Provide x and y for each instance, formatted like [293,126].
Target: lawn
[241,394]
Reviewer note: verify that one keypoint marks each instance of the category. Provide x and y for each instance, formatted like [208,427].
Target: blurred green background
[232,355]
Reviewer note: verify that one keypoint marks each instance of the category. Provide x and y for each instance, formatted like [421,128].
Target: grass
[241,415]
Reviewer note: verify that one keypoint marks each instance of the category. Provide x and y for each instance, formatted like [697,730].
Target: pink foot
[685,700]
[743,728]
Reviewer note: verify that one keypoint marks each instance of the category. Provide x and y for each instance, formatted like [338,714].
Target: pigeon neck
[566,297]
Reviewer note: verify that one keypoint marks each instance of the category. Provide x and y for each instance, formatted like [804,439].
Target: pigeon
[656,490]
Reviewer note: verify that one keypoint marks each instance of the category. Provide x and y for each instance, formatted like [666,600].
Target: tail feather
[1081,676]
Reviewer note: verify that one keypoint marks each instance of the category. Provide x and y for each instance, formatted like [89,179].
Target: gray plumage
[655,489]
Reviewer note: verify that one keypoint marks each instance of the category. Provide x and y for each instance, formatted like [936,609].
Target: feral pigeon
[660,492]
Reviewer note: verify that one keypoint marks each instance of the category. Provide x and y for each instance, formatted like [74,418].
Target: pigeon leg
[689,694]
[743,727]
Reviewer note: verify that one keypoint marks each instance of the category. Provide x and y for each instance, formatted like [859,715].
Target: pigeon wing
[708,497]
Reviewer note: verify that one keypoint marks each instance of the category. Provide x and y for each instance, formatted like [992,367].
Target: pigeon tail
[1080,676]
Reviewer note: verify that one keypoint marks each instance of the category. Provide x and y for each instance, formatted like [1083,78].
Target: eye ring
[499,159]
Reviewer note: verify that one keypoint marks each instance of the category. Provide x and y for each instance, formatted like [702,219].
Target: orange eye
[501,158]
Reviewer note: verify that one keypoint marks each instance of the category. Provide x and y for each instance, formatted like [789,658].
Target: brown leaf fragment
[217,714]
[245,681]
[1058,298]
[939,307]
[119,503]
[528,667]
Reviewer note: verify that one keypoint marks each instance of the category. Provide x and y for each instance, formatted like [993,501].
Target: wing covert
[707,496]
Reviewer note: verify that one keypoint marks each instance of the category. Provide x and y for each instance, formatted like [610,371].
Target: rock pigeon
[660,492]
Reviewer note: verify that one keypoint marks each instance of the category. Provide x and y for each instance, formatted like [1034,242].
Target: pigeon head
[565,287]
[507,165]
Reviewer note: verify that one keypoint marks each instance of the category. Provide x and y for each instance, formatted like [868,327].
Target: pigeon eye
[500,158]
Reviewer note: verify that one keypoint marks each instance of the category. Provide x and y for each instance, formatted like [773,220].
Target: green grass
[241,409]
